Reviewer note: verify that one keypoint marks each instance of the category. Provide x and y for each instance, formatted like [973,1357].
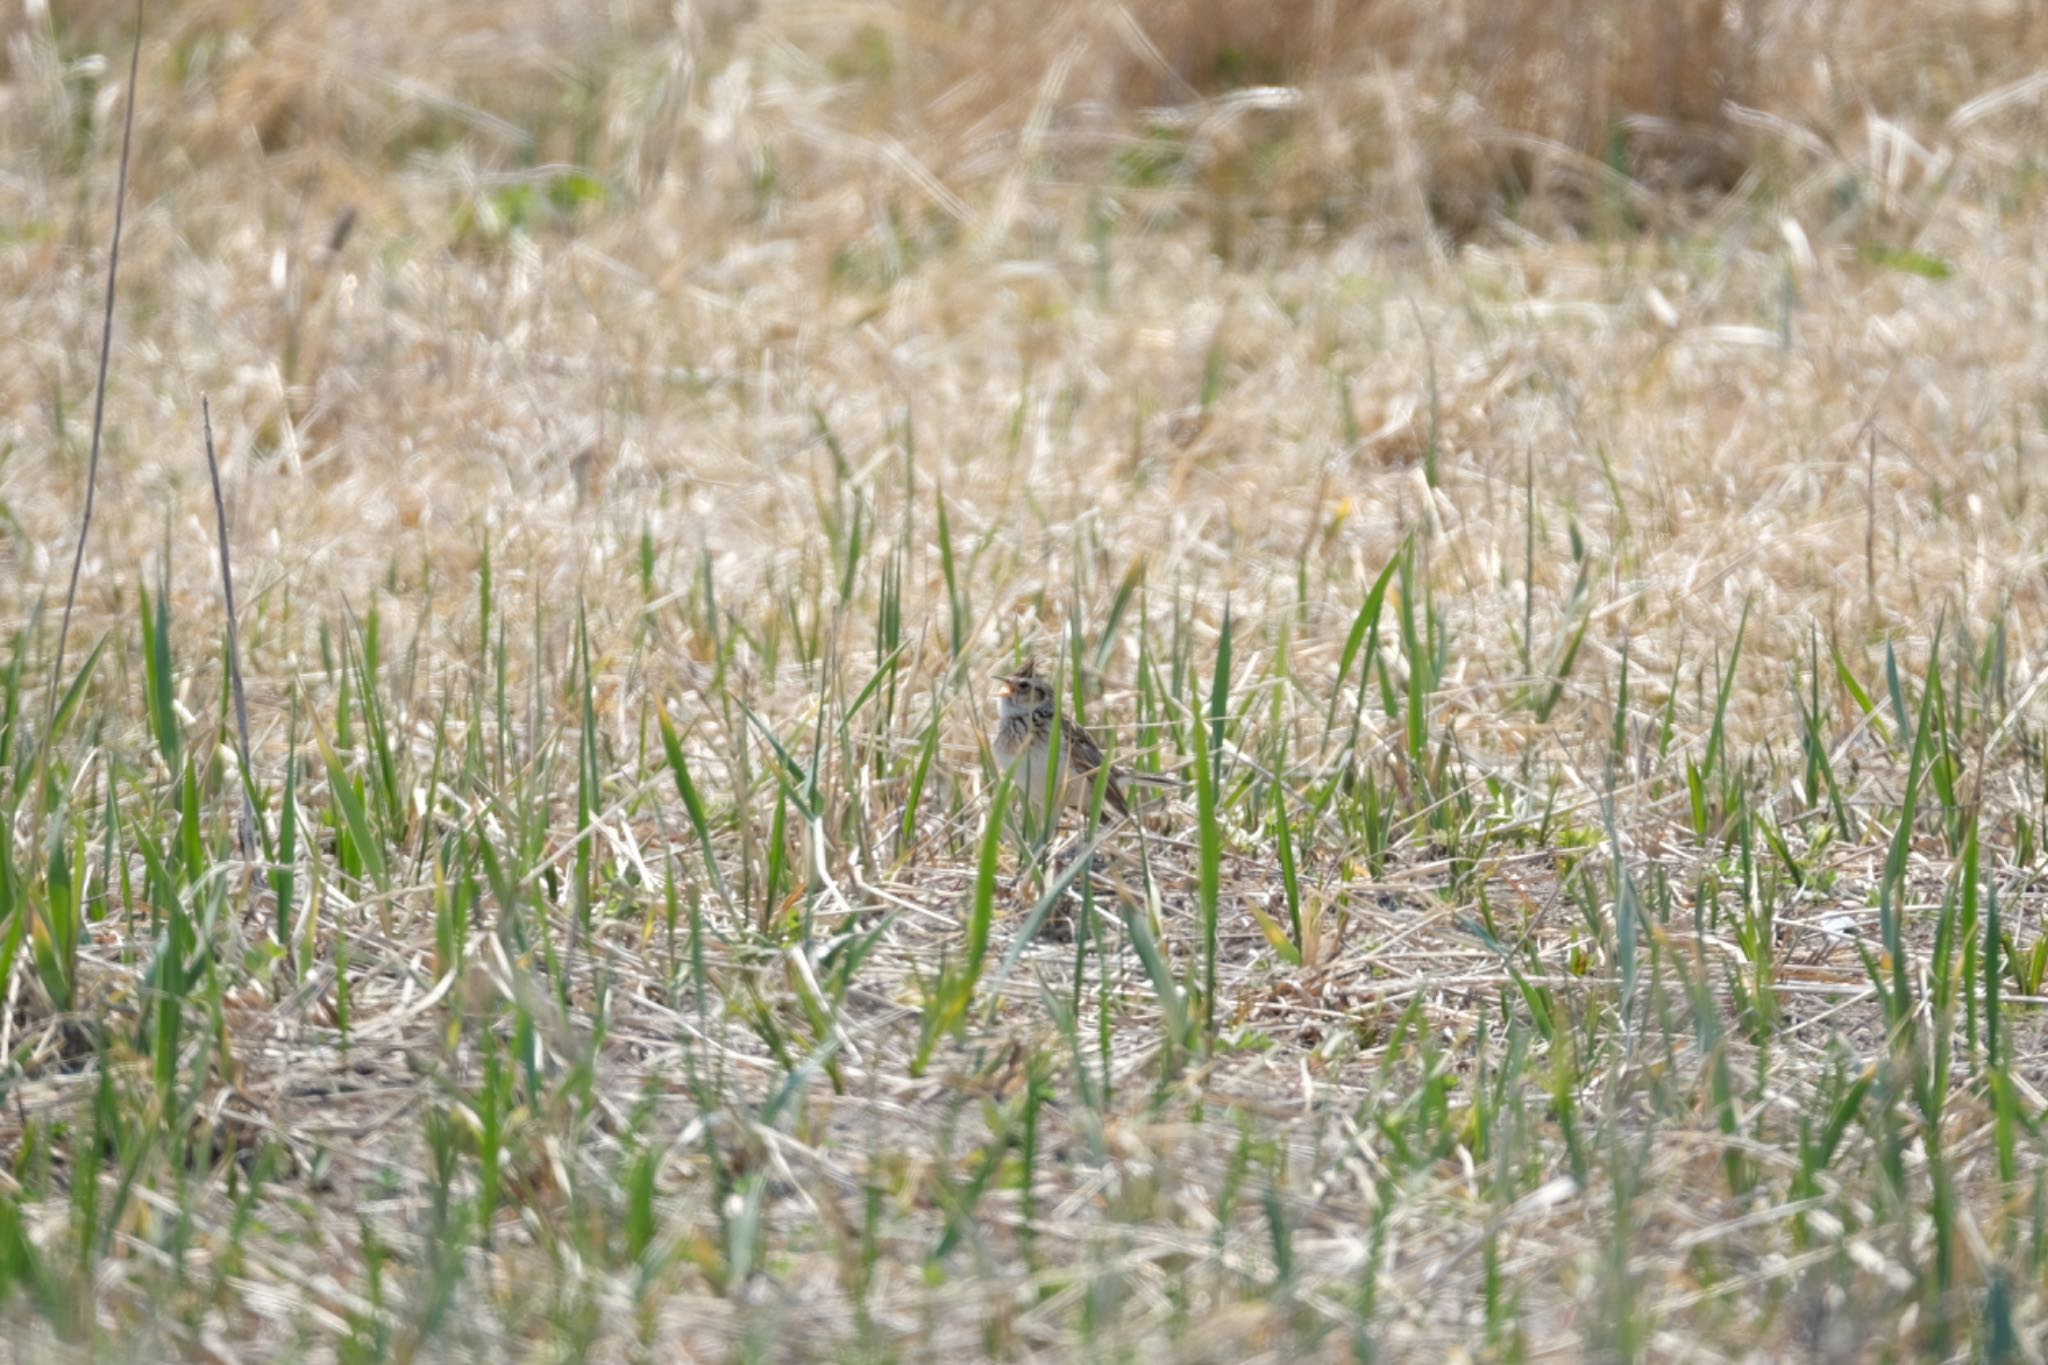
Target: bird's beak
[1005,688]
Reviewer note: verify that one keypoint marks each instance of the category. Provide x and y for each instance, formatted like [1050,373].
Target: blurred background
[411,233]
[876,131]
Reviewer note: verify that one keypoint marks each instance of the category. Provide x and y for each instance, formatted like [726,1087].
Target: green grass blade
[353,813]
[693,805]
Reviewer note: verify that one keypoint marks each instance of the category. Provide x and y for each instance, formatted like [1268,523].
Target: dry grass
[578,373]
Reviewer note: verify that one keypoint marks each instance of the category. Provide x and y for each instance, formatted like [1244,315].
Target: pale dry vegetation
[1553,484]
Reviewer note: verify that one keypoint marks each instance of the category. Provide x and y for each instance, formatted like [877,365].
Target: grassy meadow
[1553,493]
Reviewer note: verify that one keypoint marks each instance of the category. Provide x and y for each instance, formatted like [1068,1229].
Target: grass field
[1554,491]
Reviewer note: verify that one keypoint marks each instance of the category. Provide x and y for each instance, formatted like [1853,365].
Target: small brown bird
[1025,708]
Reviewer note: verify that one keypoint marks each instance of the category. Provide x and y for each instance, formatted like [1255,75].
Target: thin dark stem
[227,588]
[99,401]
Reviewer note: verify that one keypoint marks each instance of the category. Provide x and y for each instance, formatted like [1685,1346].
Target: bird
[1025,708]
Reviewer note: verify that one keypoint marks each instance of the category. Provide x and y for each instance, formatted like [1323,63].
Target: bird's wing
[1085,756]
